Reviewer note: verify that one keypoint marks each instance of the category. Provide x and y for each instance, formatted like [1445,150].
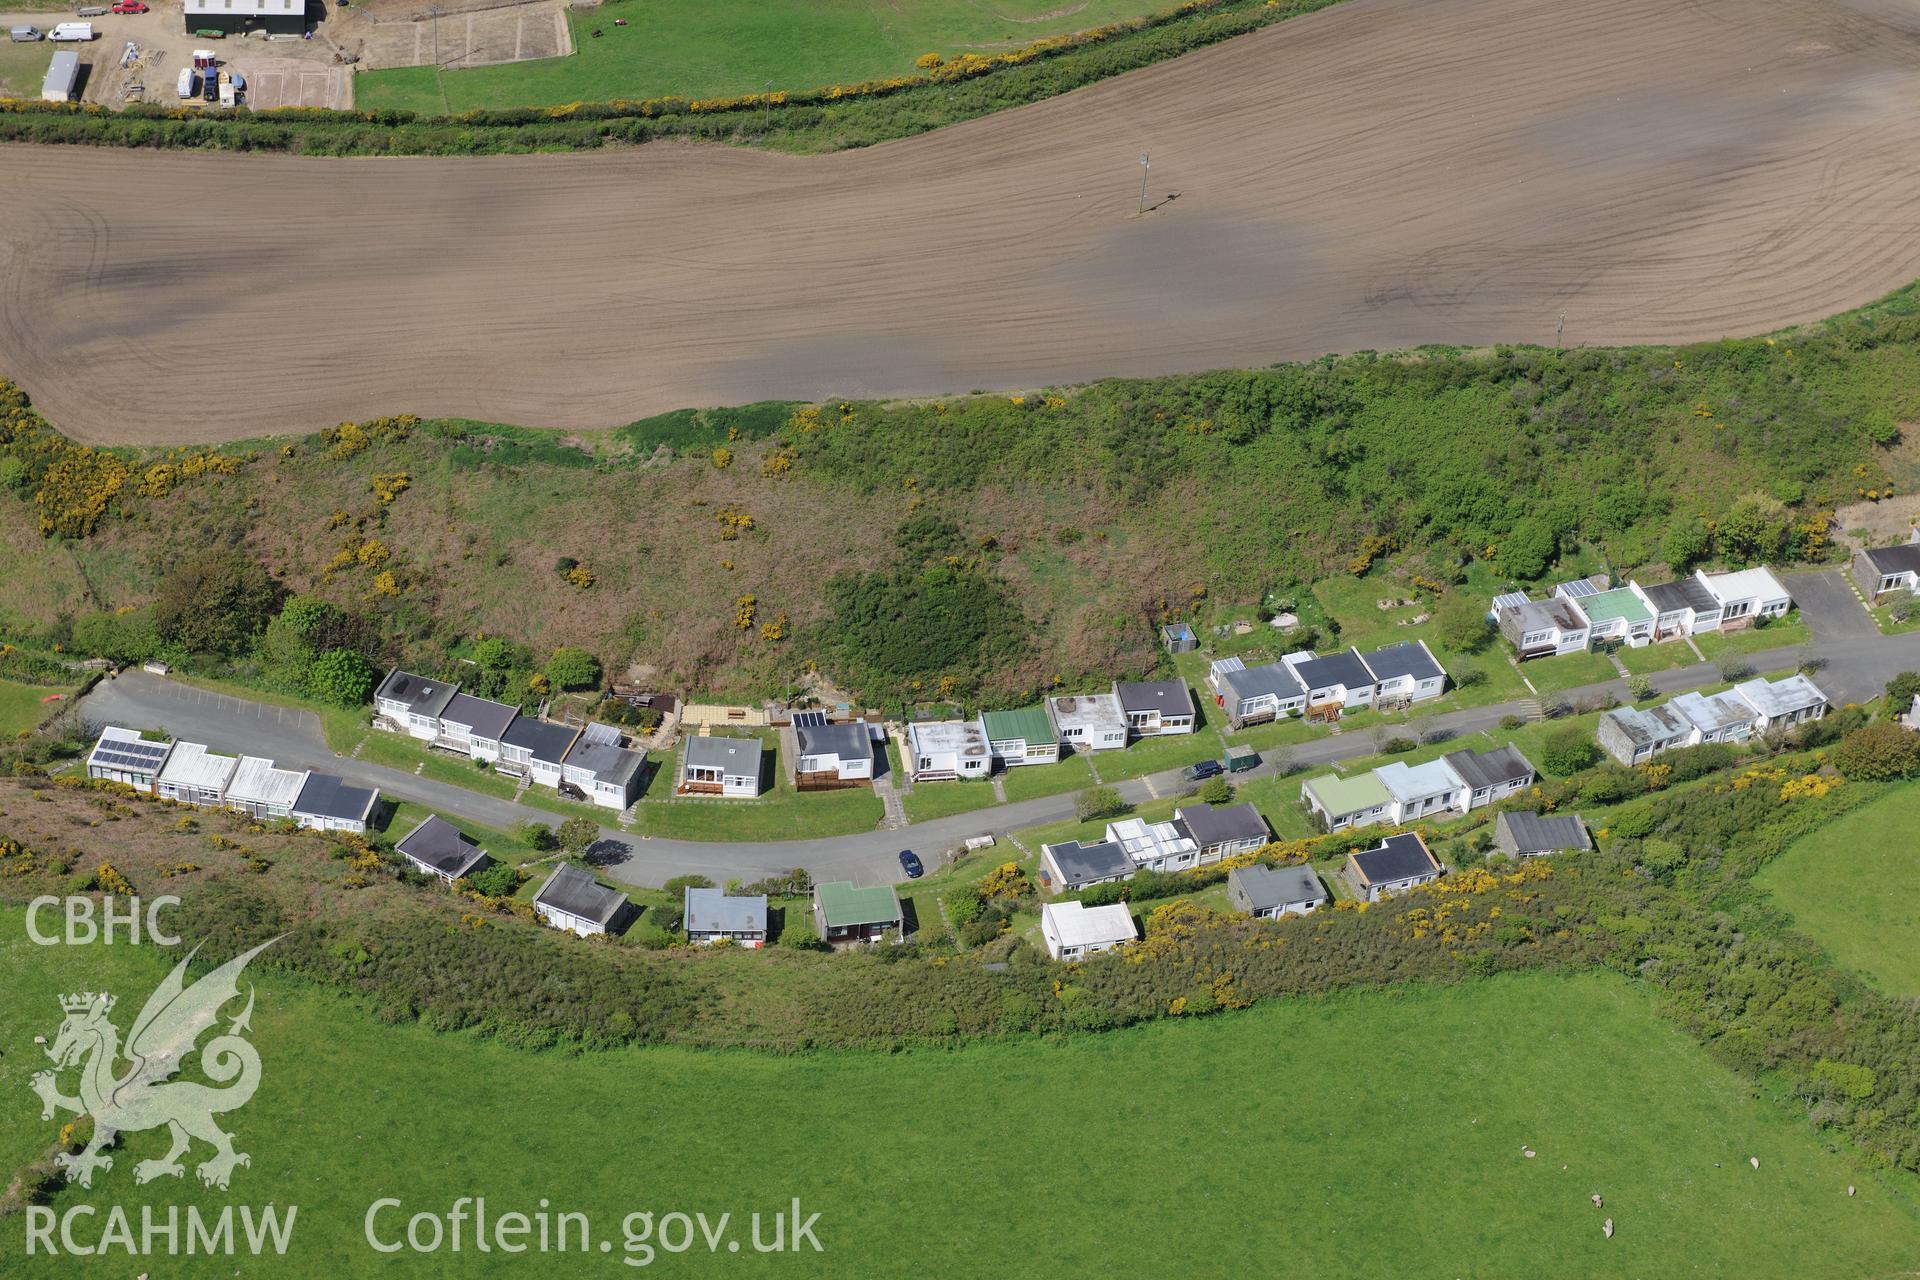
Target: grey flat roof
[422,696]
[1904,558]
[325,796]
[1399,857]
[1650,726]
[739,754]
[1209,824]
[1557,611]
[573,891]
[1408,658]
[1269,678]
[1268,887]
[485,718]
[711,910]
[1168,697]
[843,741]
[1489,768]
[1101,860]
[1327,670]
[1531,831]
[605,761]
[439,844]
[547,741]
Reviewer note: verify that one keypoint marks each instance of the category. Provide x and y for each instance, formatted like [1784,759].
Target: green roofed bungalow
[1619,614]
[842,913]
[1021,737]
[1346,802]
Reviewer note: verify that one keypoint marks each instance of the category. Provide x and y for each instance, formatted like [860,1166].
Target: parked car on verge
[1201,770]
[910,864]
[72,31]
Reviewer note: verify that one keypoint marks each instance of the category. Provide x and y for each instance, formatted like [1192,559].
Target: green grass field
[719,48]
[1854,886]
[930,800]
[22,706]
[939,1162]
[1787,633]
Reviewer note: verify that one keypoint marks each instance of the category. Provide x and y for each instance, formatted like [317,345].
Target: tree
[576,834]
[1685,543]
[496,880]
[1878,752]
[123,637]
[538,835]
[1529,549]
[1006,881]
[1754,528]
[1216,790]
[679,885]
[1568,750]
[215,603]
[1099,802]
[796,931]
[573,669]
[1461,623]
[340,677]
[1640,688]
[1900,689]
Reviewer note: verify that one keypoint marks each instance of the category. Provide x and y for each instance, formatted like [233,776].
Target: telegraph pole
[1559,329]
[1145,164]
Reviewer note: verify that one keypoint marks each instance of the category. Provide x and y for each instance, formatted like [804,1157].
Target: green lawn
[1854,885]
[1787,633]
[1557,675]
[397,751]
[930,800]
[22,706]
[719,48]
[1664,656]
[1156,755]
[1030,782]
[1426,1094]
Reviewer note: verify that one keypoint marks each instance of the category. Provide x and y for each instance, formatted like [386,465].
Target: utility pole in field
[1144,165]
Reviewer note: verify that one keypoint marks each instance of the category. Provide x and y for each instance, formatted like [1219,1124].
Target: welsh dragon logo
[142,1095]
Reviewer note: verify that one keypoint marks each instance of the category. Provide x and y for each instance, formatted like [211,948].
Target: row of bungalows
[1399,793]
[590,762]
[1635,735]
[1406,672]
[1587,610]
[944,750]
[192,773]
[1196,836]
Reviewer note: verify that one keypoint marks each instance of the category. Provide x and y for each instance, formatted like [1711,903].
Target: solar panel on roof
[604,734]
[1578,589]
[809,719]
[1513,599]
[129,762]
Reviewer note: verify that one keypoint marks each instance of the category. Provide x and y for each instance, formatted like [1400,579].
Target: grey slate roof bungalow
[476,724]
[536,748]
[721,766]
[608,773]
[1221,831]
[327,803]
[1491,775]
[1072,865]
[1527,835]
[1406,670]
[1335,677]
[437,848]
[713,914]
[414,702]
[1398,863]
[1267,893]
[573,900]
[1154,708]
[1878,570]
[1634,736]
[1253,695]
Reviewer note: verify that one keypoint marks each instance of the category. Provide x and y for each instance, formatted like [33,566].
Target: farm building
[63,77]
[237,17]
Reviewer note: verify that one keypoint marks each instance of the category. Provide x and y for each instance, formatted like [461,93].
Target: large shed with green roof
[843,913]
[1019,737]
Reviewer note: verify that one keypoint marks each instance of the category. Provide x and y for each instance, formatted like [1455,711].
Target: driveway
[1828,604]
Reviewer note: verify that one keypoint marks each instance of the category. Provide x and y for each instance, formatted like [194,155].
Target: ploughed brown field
[1384,173]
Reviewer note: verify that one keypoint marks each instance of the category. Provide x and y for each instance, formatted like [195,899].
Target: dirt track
[1384,173]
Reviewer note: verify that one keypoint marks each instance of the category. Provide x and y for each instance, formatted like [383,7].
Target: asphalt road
[1858,663]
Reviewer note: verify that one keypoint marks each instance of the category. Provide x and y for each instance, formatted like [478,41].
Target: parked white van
[72,31]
